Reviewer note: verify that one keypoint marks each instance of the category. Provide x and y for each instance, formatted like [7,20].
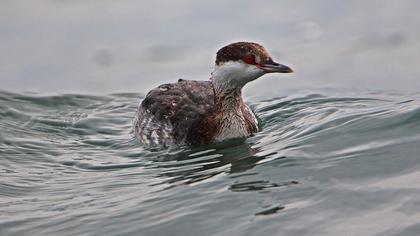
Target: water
[325,163]
[135,45]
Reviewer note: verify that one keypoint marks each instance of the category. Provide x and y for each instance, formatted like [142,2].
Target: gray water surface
[323,164]
[106,46]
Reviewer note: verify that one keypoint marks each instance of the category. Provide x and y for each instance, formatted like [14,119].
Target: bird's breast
[232,126]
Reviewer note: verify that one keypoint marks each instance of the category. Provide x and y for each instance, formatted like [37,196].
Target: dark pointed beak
[274,67]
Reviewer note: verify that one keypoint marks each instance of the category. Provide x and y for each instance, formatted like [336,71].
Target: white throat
[233,75]
[228,80]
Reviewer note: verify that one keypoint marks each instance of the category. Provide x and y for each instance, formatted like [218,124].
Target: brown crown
[237,51]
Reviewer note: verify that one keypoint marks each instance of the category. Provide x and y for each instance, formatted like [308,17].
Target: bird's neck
[227,84]
[228,104]
[230,120]
[228,101]
[227,93]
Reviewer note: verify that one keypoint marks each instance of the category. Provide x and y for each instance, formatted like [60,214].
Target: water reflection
[201,163]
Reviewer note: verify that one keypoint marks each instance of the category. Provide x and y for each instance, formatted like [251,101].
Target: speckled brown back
[185,106]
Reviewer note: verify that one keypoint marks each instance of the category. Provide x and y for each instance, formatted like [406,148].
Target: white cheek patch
[235,74]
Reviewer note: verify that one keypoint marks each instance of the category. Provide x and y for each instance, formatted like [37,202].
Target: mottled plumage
[184,113]
[200,112]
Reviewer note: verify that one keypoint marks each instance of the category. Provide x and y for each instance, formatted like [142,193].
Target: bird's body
[200,112]
[187,112]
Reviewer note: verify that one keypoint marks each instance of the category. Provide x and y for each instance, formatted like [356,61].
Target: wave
[65,155]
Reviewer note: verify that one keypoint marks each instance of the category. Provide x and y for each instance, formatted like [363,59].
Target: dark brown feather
[187,111]
[237,51]
[183,105]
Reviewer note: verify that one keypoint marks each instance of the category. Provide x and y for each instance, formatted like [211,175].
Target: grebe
[201,112]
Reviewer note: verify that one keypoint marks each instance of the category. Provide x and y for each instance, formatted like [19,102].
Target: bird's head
[242,62]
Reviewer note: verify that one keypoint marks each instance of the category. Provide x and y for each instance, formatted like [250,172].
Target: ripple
[258,185]
[71,158]
[270,211]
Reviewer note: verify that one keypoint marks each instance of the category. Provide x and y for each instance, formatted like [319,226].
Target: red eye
[249,59]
